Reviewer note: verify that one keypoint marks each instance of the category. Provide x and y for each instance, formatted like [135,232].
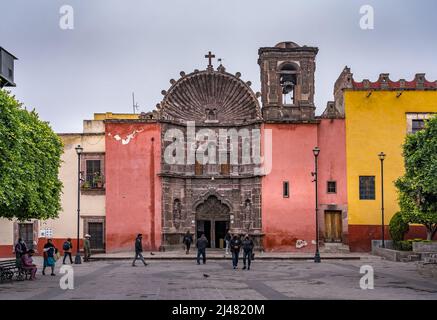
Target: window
[417,121]
[286,189]
[225,167]
[332,187]
[93,173]
[198,168]
[367,187]
[418,124]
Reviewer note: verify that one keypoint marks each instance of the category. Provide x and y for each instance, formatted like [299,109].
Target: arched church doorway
[213,220]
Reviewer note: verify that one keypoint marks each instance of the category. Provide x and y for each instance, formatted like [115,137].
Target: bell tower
[287,82]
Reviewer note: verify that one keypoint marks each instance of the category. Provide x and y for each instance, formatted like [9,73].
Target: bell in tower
[287,82]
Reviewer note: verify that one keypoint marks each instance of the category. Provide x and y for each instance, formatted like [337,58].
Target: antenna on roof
[135,105]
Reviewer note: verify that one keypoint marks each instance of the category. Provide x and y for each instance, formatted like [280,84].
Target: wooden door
[95,229]
[333,226]
[25,231]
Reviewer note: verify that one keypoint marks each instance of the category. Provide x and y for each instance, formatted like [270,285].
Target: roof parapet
[385,83]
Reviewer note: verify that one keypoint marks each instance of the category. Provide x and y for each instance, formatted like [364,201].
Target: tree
[398,227]
[30,157]
[418,187]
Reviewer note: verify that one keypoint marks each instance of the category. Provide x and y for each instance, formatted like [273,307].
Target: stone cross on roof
[209,56]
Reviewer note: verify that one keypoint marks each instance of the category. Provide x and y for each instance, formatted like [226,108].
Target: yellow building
[110,115]
[379,115]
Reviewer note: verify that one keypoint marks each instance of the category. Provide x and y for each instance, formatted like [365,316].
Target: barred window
[92,170]
[331,187]
[367,187]
[418,124]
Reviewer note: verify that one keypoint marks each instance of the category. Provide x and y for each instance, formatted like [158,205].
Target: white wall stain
[128,138]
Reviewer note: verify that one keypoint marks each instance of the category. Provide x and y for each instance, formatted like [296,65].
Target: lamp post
[79,150]
[381,158]
[316,152]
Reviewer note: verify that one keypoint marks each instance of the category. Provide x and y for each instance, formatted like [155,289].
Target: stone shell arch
[190,98]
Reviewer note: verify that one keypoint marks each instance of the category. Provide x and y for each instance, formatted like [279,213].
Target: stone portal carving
[248,215]
[212,207]
[177,213]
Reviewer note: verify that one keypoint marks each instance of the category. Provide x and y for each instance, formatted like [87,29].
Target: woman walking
[49,257]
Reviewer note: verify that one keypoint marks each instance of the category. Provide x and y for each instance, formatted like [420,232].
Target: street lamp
[79,150]
[316,152]
[381,158]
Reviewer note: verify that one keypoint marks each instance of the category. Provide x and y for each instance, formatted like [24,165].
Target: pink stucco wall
[332,167]
[286,220]
[133,190]
[332,160]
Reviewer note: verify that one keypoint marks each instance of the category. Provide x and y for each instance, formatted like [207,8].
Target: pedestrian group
[24,260]
[234,244]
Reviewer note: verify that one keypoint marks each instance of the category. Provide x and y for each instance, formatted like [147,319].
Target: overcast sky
[120,46]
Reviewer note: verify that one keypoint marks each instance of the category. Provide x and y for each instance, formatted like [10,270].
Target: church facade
[257,181]
[215,155]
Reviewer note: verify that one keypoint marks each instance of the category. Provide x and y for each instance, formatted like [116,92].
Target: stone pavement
[268,279]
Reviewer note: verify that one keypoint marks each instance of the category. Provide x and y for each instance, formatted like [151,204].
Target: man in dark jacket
[247,245]
[139,250]
[235,249]
[201,245]
[20,250]
[188,240]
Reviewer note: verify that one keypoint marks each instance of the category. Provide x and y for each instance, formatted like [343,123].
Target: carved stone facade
[221,199]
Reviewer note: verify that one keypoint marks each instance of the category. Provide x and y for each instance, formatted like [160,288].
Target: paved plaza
[268,279]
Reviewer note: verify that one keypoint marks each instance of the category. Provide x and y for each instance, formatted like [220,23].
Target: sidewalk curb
[227,258]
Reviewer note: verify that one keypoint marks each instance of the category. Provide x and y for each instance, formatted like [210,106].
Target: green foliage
[398,227]
[407,245]
[30,157]
[404,245]
[418,187]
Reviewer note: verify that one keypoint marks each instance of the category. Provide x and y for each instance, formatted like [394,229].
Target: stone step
[334,248]
[430,260]
[414,257]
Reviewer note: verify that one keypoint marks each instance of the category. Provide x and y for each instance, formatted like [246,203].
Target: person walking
[139,250]
[49,253]
[235,249]
[188,240]
[247,246]
[201,245]
[86,248]
[27,263]
[67,247]
[228,238]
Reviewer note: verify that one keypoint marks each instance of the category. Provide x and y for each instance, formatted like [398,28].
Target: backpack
[66,246]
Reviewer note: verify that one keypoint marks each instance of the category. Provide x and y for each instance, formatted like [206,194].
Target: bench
[9,269]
